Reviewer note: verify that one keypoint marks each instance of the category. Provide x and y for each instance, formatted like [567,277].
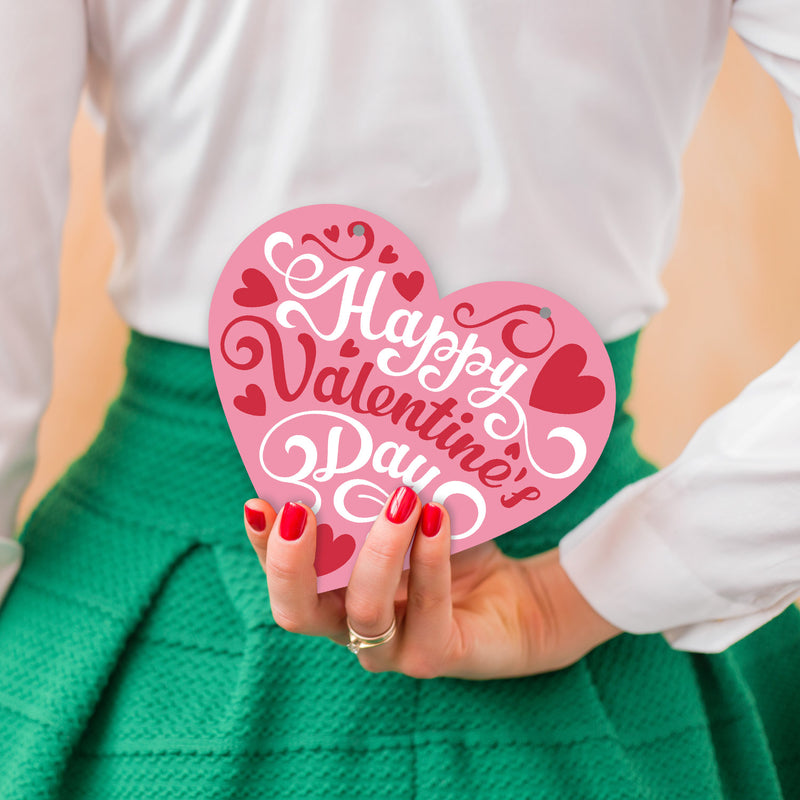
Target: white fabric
[707,549]
[533,141]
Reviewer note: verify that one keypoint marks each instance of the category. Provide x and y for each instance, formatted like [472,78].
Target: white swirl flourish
[309,450]
[570,435]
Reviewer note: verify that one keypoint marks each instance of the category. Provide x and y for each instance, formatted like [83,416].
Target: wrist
[576,627]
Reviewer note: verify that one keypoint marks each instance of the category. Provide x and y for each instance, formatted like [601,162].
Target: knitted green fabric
[138,657]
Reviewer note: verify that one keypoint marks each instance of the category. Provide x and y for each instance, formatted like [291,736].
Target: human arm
[709,549]
[43,56]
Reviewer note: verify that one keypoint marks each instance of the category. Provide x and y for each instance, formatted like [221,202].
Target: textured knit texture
[138,657]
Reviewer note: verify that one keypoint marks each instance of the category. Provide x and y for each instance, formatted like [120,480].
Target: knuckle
[420,665]
[465,648]
[370,664]
[383,552]
[293,622]
[280,568]
[429,560]
[364,613]
[423,601]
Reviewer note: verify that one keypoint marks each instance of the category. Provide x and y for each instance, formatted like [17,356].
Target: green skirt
[138,656]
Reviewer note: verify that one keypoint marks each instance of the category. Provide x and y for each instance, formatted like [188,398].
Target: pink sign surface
[343,374]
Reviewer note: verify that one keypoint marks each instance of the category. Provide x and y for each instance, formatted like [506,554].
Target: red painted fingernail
[255,518]
[293,520]
[401,505]
[431,519]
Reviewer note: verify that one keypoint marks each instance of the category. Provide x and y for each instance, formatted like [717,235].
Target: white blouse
[537,141]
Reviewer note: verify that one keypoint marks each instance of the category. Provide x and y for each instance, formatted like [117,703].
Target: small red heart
[388,255]
[332,233]
[560,387]
[408,286]
[252,401]
[349,349]
[258,290]
[512,450]
[332,552]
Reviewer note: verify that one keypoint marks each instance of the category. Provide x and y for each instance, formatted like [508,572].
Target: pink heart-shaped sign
[351,376]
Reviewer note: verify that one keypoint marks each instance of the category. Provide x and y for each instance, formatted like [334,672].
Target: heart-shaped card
[343,374]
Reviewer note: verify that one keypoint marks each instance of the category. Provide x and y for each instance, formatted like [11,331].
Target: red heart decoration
[513,450]
[332,551]
[560,387]
[388,255]
[349,349]
[408,286]
[258,290]
[252,401]
[332,233]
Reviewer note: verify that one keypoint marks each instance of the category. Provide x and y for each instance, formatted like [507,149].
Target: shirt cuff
[632,578]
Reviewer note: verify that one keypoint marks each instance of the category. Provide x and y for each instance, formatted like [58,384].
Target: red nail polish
[401,505]
[255,518]
[293,520]
[431,519]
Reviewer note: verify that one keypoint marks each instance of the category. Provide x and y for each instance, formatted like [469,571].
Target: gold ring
[359,642]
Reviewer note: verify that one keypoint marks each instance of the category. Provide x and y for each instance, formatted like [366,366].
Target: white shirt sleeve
[42,65]
[708,549]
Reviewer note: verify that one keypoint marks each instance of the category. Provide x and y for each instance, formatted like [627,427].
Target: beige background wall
[734,280]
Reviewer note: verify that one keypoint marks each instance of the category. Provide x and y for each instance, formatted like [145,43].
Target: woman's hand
[477,615]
